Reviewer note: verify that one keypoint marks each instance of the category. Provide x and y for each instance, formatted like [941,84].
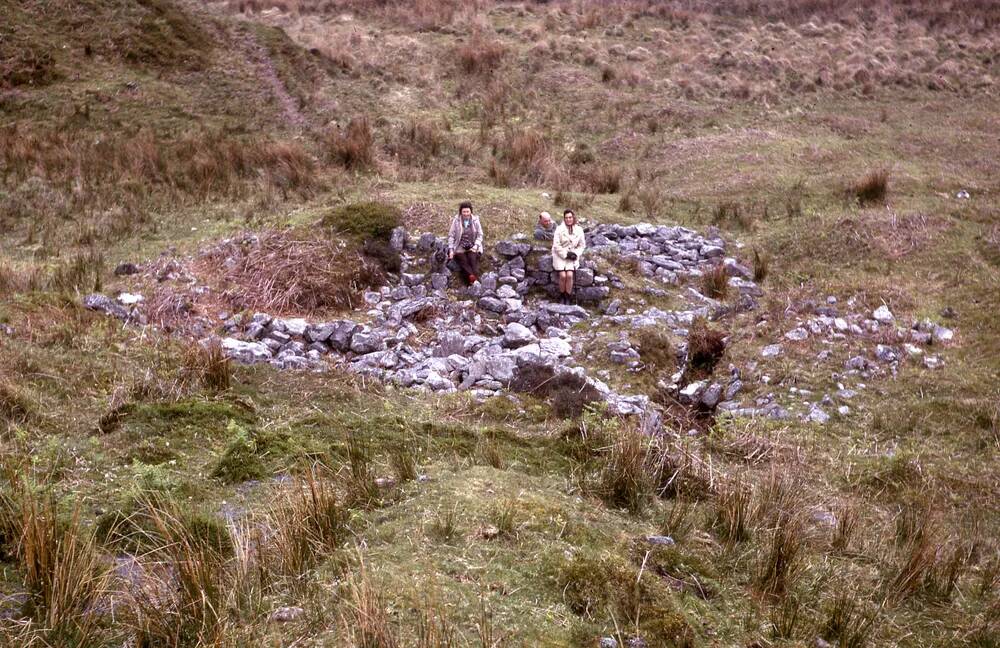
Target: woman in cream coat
[568,243]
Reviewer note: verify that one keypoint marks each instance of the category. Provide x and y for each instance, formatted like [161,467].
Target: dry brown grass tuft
[197,163]
[706,347]
[734,512]
[872,189]
[782,561]
[735,213]
[365,614]
[187,603]
[16,405]
[309,521]
[288,272]
[715,282]
[480,56]
[604,179]
[626,480]
[353,147]
[208,366]
[761,265]
[65,574]
[525,156]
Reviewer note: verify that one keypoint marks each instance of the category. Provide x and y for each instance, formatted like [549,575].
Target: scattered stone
[883,315]
[693,391]
[943,335]
[245,352]
[125,269]
[711,397]
[662,540]
[771,351]
[517,335]
[858,363]
[104,304]
[286,614]
[933,362]
[397,238]
[817,415]
[886,353]
[797,334]
[367,342]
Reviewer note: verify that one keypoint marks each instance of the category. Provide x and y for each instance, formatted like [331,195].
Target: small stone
[933,362]
[797,334]
[397,238]
[885,353]
[492,304]
[245,352]
[859,363]
[556,346]
[104,304]
[943,335]
[883,315]
[771,351]
[711,397]
[608,642]
[817,415]
[843,410]
[426,242]
[661,540]
[507,292]
[295,326]
[365,342]
[517,335]
[692,392]
[438,382]
[286,614]
[124,269]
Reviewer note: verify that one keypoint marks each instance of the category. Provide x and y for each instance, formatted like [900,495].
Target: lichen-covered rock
[245,352]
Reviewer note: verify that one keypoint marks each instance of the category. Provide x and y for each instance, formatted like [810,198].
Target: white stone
[771,351]
[692,391]
[517,335]
[556,346]
[129,299]
[295,326]
[816,415]
[245,352]
[797,334]
[943,335]
[883,315]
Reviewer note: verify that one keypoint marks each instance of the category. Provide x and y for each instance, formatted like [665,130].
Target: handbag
[571,256]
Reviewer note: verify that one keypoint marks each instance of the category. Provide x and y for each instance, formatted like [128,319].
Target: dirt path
[258,54]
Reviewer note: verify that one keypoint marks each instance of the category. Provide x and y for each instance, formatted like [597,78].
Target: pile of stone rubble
[429,332]
[420,334]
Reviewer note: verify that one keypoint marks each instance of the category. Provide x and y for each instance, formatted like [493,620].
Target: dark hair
[569,211]
[463,205]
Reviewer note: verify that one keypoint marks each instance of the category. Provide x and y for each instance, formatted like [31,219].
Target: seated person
[465,242]
[545,228]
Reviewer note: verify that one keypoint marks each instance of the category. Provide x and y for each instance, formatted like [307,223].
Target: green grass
[102,416]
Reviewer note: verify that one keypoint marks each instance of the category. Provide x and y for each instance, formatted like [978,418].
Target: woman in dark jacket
[465,241]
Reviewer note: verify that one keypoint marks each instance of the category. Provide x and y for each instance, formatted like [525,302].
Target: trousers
[469,262]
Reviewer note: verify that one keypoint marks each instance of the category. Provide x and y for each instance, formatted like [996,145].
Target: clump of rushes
[715,282]
[872,189]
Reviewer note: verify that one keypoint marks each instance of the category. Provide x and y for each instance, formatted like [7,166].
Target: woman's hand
[451,255]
